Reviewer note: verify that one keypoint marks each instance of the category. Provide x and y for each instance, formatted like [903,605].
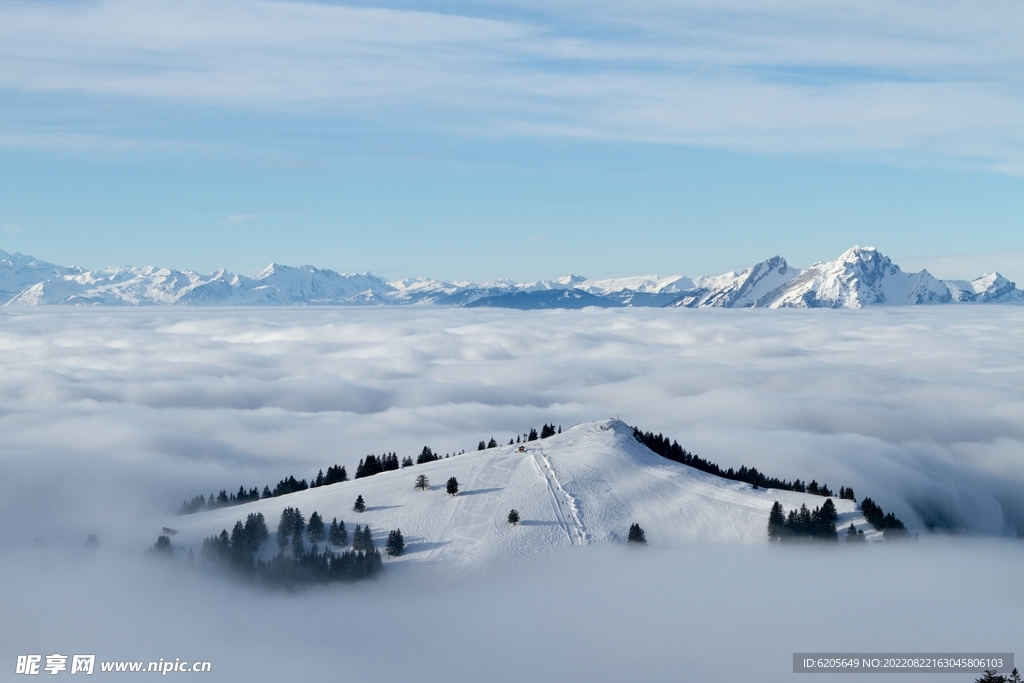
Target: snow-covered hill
[860,277]
[584,486]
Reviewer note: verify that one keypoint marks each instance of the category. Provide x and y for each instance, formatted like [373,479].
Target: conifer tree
[492,443]
[826,522]
[422,483]
[396,544]
[316,528]
[453,486]
[163,546]
[636,534]
[513,516]
[338,535]
[776,522]
[291,523]
[362,539]
[255,531]
[481,446]
[360,505]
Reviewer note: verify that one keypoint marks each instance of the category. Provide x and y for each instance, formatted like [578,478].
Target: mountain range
[862,276]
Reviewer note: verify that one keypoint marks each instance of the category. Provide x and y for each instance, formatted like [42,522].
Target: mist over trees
[887,523]
[239,551]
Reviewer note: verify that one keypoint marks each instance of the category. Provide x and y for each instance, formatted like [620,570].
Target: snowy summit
[584,486]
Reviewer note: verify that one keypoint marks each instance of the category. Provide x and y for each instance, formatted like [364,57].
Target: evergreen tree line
[818,524]
[887,523]
[335,474]
[237,550]
[673,451]
[545,431]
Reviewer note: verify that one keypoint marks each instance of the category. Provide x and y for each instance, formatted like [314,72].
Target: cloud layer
[109,418]
[935,79]
[121,414]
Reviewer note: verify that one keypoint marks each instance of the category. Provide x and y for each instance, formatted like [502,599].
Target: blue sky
[521,140]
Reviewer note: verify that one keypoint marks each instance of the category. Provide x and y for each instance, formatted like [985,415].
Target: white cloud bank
[108,418]
[136,409]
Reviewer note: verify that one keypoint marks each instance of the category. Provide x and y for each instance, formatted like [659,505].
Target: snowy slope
[739,291]
[581,487]
[989,288]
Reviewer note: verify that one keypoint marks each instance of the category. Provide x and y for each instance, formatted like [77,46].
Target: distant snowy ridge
[861,276]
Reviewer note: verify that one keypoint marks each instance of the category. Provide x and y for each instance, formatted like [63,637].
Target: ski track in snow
[563,504]
[476,509]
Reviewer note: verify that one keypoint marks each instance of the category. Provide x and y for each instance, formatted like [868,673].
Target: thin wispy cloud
[937,80]
[237,218]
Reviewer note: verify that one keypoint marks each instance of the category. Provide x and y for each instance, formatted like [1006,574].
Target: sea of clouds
[110,418]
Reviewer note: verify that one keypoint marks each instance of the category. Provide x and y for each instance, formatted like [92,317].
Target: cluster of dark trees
[426,455]
[636,534]
[335,475]
[673,451]
[237,550]
[818,524]
[887,523]
[373,464]
[545,431]
[396,543]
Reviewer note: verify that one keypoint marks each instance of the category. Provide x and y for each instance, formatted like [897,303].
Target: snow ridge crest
[861,276]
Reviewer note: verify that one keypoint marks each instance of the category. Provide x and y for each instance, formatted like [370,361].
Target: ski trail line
[475,514]
[563,503]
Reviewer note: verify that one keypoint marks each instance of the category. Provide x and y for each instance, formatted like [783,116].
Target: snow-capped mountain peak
[860,276]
